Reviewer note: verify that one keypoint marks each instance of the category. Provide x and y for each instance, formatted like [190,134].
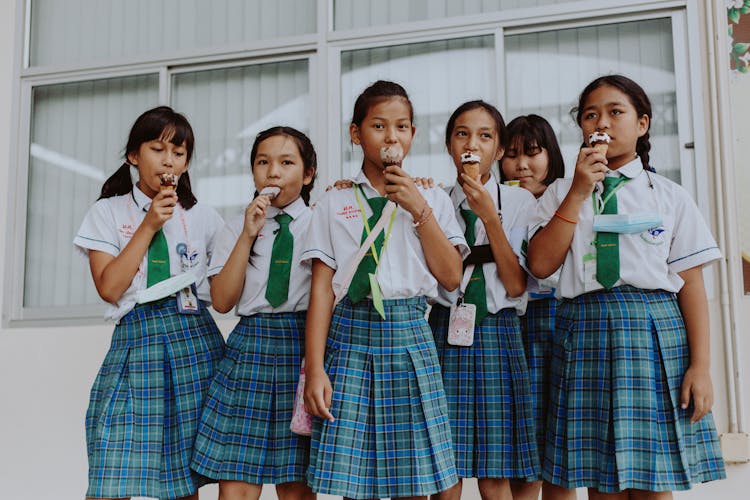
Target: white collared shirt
[336,234]
[253,298]
[111,222]
[649,260]
[518,205]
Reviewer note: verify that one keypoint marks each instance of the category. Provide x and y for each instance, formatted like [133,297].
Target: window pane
[573,57]
[116,29]
[227,108]
[438,77]
[351,14]
[78,133]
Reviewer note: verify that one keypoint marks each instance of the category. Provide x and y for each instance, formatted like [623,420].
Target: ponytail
[118,184]
[642,147]
[184,193]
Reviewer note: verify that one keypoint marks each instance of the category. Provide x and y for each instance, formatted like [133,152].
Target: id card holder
[187,301]
[461,324]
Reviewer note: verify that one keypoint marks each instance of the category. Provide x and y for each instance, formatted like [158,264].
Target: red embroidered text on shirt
[127,231]
[349,212]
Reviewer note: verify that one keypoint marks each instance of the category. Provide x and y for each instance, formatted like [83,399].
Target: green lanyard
[599,207]
[367,226]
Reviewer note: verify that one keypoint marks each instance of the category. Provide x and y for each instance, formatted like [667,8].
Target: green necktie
[158,259]
[360,285]
[607,244]
[277,289]
[476,292]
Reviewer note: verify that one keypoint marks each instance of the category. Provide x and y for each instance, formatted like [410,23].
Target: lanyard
[600,203]
[367,225]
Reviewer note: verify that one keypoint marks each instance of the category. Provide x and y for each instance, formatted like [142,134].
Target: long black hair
[153,124]
[638,98]
[306,151]
[380,91]
[532,131]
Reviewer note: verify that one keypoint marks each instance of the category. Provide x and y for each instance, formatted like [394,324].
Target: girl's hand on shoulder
[255,216]
[400,188]
[425,182]
[479,198]
[161,210]
[318,394]
[590,168]
[341,184]
[696,384]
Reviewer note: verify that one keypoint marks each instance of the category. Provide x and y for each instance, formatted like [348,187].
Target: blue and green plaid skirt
[391,436]
[537,327]
[244,432]
[146,403]
[489,398]
[615,416]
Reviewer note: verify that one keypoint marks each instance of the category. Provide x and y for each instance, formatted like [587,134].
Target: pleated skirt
[391,435]
[244,432]
[146,403]
[489,398]
[537,328]
[619,357]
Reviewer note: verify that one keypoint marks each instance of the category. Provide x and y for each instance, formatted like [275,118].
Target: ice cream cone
[600,142]
[392,155]
[470,164]
[471,169]
[601,147]
[168,182]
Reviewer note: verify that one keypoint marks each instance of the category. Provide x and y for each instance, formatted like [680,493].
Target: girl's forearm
[443,259]
[509,270]
[226,287]
[318,315]
[694,307]
[549,246]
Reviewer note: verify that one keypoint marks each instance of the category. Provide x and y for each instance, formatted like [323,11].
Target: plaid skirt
[146,403]
[391,435]
[244,431]
[537,327]
[489,398]
[615,416]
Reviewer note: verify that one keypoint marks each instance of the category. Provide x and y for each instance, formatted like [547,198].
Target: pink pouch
[301,420]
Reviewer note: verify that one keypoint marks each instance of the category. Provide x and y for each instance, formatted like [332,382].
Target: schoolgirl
[148,246]
[486,382]
[631,385]
[244,438]
[373,376]
[532,159]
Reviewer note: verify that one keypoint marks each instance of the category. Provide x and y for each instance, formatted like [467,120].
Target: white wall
[46,373]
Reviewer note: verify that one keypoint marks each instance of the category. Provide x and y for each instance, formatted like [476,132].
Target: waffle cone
[601,147]
[471,169]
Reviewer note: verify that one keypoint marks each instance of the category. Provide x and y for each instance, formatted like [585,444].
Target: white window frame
[323,50]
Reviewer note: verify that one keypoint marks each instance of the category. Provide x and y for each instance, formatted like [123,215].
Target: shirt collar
[631,169]
[361,179]
[141,200]
[294,209]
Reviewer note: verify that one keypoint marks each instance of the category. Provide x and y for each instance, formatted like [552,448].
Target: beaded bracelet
[565,218]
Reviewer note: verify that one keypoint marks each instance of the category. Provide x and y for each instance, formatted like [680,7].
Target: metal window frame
[323,51]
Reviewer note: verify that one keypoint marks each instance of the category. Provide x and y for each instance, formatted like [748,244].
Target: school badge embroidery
[654,236]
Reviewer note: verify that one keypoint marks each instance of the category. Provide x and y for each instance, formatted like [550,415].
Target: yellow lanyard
[367,225]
